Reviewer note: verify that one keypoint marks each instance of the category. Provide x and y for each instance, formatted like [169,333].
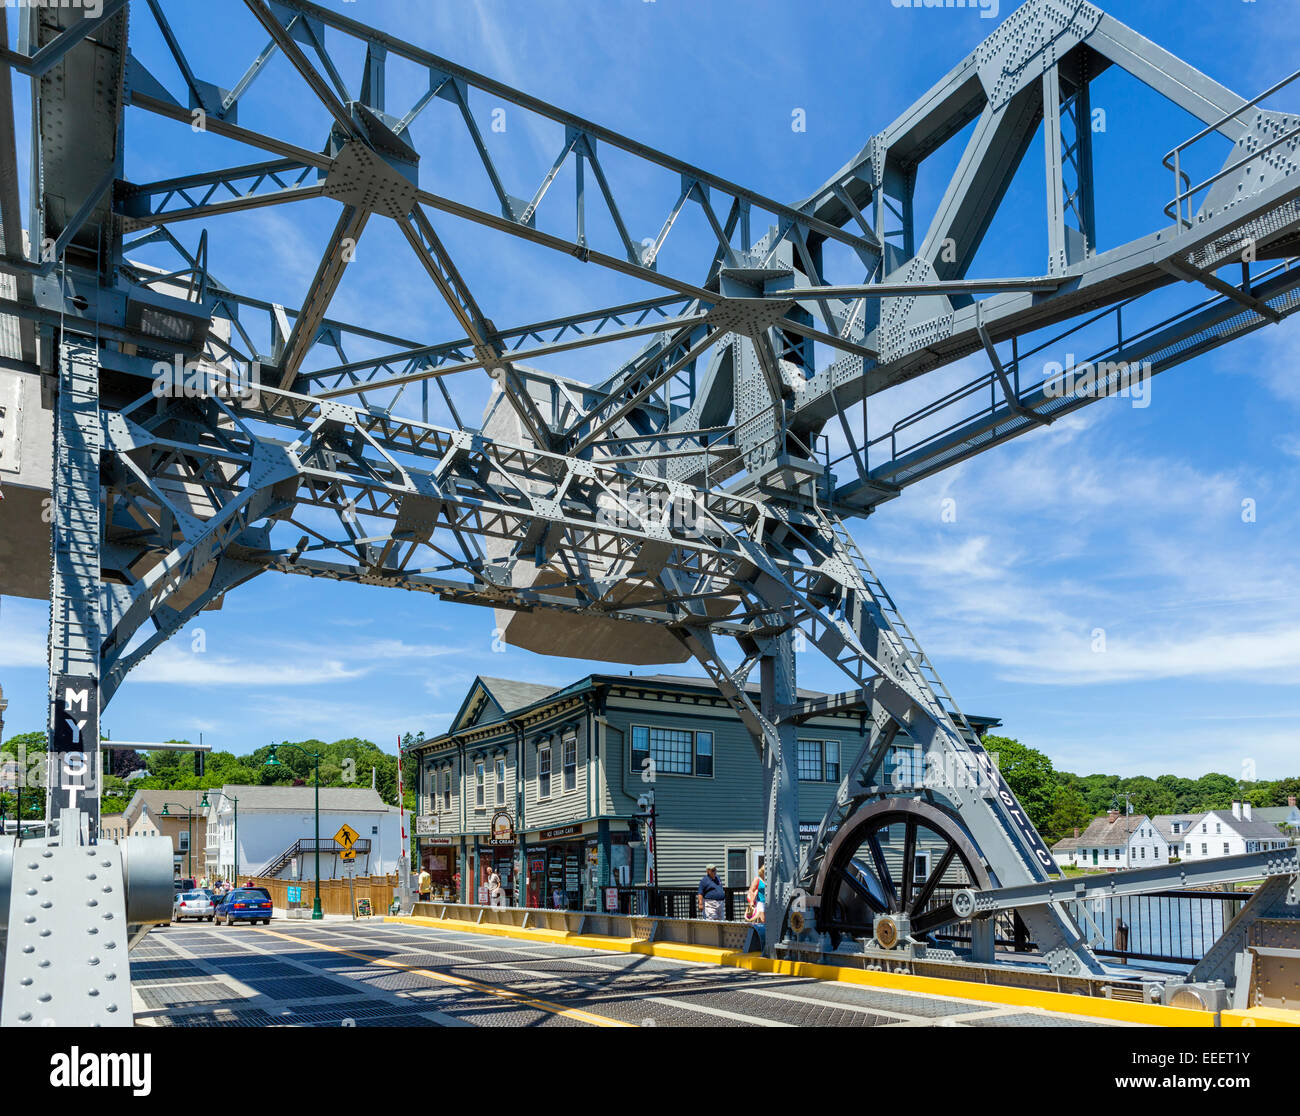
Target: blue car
[244,905]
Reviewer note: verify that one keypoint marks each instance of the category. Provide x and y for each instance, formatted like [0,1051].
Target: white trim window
[446,789]
[500,772]
[570,763]
[544,770]
[480,789]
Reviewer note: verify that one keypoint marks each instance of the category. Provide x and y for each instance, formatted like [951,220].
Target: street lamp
[189,813]
[271,761]
[204,805]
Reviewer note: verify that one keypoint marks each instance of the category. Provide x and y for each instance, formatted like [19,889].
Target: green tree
[1028,773]
[1068,812]
[1215,791]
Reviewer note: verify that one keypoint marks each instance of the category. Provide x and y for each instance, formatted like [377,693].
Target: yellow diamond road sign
[346,837]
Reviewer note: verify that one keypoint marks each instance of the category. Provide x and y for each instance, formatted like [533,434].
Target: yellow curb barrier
[1097,1007]
[1260,1017]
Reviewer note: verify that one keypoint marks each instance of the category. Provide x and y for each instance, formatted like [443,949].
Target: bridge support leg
[780,784]
[75,621]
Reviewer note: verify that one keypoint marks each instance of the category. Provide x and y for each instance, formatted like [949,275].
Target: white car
[192,904]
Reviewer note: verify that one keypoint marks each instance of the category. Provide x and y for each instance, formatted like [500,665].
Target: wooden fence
[334,898]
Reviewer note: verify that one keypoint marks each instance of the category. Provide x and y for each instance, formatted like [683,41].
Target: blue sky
[1128,520]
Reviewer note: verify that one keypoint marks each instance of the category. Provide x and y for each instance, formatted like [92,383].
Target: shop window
[480,791]
[501,780]
[811,759]
[544,772]
[571,763]
[704,753]
[832,761]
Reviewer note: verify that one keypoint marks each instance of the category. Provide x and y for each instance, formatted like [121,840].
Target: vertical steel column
[1057,253]
[780,783]
[74,637]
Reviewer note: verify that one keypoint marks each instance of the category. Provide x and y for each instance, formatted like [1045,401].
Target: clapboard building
[542,784]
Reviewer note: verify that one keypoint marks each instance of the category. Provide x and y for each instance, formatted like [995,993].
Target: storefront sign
[503,829]
[559,832]
[611,899]
[426,824]
[439,841]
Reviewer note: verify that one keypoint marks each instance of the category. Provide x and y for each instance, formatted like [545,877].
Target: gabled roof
[1066,844]
[490,699]
[1165,824]
[1279,815]
[1111,832]
[1250,828]
[291,800]
[155,798]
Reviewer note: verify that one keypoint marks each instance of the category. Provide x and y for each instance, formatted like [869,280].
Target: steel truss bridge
[680,503]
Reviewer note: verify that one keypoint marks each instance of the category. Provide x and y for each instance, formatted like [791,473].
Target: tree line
[1058,802]
[343,763]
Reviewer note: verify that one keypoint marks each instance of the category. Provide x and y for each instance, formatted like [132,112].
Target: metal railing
[741,937]
[1184,191]
[1164,927]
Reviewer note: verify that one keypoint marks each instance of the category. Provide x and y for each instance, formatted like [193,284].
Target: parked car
[185,883]
[192,904]
[245,904]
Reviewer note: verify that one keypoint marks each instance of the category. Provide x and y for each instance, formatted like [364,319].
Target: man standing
[425,885]
[495,893]
[712,895]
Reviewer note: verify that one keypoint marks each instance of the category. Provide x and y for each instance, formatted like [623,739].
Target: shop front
[558,862]
[440,858]
[496,854]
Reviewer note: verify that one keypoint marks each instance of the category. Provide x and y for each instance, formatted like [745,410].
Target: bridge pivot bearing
[891,929]
[963,903]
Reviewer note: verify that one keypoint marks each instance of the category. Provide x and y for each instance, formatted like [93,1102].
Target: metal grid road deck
[368,974]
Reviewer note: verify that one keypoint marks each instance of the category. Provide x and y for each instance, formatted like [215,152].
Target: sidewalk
[281,913]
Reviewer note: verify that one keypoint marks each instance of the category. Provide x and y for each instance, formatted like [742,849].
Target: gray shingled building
[542,784]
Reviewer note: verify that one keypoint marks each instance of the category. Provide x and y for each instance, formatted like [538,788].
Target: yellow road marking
[462,982]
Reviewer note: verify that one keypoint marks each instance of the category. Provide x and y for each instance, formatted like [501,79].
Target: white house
[1118,841]
[1230,833]
[1174,829]
[1063,852]
[277,827]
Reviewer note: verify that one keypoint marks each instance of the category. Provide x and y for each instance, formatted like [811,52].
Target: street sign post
[347,838]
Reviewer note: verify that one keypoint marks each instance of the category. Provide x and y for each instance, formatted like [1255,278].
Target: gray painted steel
[681,500]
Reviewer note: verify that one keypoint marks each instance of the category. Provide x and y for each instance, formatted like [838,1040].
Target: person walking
[425,885]
[757,896]
[496,895]
[712,896]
